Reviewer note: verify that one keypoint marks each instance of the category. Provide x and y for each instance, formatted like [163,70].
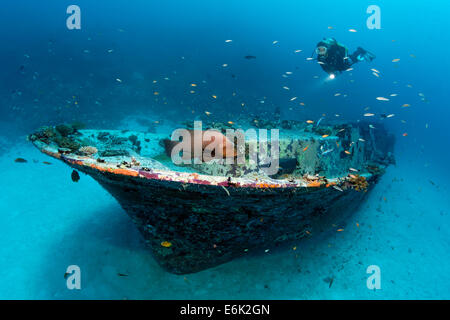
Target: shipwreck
[198,216]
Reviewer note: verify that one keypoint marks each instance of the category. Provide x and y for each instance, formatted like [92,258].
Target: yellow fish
[166,244]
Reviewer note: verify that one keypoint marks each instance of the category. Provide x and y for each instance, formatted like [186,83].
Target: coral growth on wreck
[62,135]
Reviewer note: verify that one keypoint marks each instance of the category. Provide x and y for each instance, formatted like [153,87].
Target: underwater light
[332,76]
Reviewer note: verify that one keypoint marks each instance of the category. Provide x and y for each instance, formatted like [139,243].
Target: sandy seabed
[48,222]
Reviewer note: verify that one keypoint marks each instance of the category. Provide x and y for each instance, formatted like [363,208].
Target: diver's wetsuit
[337,59]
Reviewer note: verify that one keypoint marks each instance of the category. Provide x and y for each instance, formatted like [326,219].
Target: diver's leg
[362,55]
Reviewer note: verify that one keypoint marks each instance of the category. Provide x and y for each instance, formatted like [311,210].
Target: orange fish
[357,224]
[224,148]
[347,152]
[305,148]
[325,135]
[339,230]
[405,134]
[309,121]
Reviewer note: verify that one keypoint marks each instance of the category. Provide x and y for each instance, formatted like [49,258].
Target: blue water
[51,75]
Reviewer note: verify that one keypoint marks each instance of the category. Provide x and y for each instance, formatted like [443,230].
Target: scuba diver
[333,57]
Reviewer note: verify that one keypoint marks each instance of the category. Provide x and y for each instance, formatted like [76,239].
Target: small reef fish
[371,126]
[352,30]
[327,151]
[286,88]
[228,41]
[396,60]
[369,114]
[75,176]
[305,148]
[338,189]
[275,42]
[309,121]
[297,51]
[352,169]
[382,99]
[362,140]
[375,70]
[309,59]
[376,74]
[347,152]
[249,57]
[20,160]
[406,105]
[318,122]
